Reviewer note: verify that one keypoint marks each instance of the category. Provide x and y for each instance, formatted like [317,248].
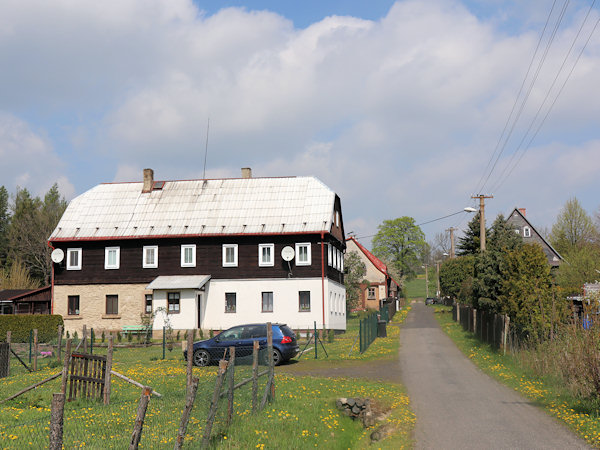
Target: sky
[403,108]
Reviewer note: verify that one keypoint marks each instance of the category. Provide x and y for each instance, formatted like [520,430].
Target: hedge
[20,325]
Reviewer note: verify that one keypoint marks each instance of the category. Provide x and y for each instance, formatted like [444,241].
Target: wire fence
[27,420]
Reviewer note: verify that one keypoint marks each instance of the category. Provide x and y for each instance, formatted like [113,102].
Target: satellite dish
[57,255]
[287,253]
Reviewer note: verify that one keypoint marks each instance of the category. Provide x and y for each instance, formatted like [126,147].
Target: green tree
[470,242]
[400,244]
[573,228]
[580,266]
[488,280]
[528,294]
[355,271]
[32,222]
[456,277]
[4,224]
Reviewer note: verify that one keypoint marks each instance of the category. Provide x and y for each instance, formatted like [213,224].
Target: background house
[201,254]
[381,284]
[518,220]
[25,301]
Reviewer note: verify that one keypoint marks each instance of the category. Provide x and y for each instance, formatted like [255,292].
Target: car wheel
[277,359]
[201,358]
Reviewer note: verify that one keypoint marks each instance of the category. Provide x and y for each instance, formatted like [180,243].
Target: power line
[553,103]
[530,87]
[477,188]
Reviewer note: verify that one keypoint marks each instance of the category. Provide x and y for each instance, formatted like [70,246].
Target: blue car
[242,337]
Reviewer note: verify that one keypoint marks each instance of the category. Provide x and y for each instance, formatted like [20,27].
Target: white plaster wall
[336,306]
[187,317]
[249,304]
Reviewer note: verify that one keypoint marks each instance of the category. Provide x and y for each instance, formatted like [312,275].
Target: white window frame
[74,266]
[261,261]
[308,256]
[262,302]
[341,261]
[330,254]
[145,264]
[234,263]
[107,251]
[185,247]
[526,231]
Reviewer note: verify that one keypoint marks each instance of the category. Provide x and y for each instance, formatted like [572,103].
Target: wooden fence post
[65,370]
[185,418]
[58,347]
[8,339]
[506,328]
[84,337]
[190,358]
[35,349]
[109,357]
[254,375]
[213,404]
[231,370]
[270,387]
[136,436]
[56,421]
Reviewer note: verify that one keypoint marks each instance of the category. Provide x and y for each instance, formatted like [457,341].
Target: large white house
[208,253]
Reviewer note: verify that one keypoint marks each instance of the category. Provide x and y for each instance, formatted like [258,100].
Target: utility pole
[426,281]
[451,230]
[482,198]
[437,267]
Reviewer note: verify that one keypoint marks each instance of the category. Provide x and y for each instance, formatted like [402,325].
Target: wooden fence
[490,328]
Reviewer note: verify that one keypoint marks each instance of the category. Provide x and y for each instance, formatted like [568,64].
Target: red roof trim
[163,236]
[31,292]
[379,264]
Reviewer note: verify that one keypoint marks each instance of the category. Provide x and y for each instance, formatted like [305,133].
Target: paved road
[459,407]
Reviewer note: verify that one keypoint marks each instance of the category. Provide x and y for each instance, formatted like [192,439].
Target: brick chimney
[522,211]
[246,172]
[148,180]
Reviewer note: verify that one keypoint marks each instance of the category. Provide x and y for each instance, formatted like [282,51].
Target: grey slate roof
[199,207]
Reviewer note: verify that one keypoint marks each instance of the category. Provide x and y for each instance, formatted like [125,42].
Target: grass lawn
[416,288]
[582,417]
[303,414]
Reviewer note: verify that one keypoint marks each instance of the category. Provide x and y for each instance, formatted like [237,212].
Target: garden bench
[136,329]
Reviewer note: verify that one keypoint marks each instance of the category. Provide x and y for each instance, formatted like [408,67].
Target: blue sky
[397,106]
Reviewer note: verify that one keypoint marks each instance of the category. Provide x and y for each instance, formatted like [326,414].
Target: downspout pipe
[323,275]
[51,281]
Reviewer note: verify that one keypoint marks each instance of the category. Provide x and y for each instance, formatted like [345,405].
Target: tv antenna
[206,148]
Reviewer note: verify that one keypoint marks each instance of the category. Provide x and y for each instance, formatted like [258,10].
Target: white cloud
[28,159]
[399,116]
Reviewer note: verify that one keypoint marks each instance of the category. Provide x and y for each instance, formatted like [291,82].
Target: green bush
[21,325]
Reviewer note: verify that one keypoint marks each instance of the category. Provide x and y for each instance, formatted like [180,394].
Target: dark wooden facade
[208,259]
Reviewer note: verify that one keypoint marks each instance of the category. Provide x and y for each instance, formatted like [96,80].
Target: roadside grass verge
[580,415]
[303,414]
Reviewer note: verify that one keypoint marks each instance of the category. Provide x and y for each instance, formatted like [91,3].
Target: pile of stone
[357,408]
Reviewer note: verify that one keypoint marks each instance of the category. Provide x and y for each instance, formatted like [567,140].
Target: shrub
[119,336]
[200,334]
[129,337]
[103,336]
[330,336]
[178,335]
[211,334]
[75,336]
[20,326]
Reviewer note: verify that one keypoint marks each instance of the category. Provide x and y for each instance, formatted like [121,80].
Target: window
[173,299]
[371,293]
[304,303]
[148,304]
[112,304]
[111,257]
[188,255]
[526,232]
[73,259]
[303,254]
[150,257]
[267,302]
[330,254]
[230,302]
[230,255]
[73,305]
[341,261]
[265,255]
